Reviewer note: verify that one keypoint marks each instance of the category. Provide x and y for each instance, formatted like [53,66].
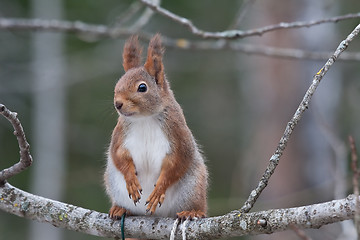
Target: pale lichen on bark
[75,218]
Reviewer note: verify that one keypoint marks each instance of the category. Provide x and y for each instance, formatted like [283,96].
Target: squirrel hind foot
[116,212]
[193,214]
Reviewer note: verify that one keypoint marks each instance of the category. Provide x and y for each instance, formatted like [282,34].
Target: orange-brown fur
[132,54]
[124,163]
[183,161]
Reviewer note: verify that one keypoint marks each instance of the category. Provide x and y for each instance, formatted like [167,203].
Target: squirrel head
[141,90]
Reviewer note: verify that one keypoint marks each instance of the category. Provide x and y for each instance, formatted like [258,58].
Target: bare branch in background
[340,153]
[91,32]
[144,18]
[348,230]
[235,34]
[266,51]
[244,8]
[275,158]
[290,53]
[128,14]
[25,157]
[76,27]
[355,181]
[27,205]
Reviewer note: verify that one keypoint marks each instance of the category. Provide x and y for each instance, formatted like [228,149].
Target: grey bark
[79,219]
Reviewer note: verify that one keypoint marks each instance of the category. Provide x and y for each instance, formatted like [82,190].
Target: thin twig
[340,153]
[274,160]
[144,18]
[25,157]
[128,14]
[244,8]
[101,31]
[235,34]
[289,53]
[355,180]
[348,229]
[76,27]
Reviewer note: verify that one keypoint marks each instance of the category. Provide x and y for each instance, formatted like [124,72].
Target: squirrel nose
[118,105]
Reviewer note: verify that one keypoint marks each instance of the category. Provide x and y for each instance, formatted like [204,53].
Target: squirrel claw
[155,199]
[116,212]
[191,215]
[133,187]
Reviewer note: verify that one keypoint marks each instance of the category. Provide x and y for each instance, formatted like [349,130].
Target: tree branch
[27,205]
[144,18]
[25,157]
[267,51]
[76,27]
[235,34]
[275,158]
[355,181]
[90,31]
[75,218]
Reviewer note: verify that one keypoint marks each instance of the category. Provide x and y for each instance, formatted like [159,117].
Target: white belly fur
[148,145]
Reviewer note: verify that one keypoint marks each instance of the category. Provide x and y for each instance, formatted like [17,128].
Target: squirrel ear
[132,53]
[154,64]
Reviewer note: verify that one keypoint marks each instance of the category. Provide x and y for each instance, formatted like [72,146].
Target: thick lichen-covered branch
[27,205]
[25,157]
[275,158]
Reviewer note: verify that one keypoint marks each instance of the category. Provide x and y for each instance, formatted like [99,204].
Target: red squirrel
[153,154]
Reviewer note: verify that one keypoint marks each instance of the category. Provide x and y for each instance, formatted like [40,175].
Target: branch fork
[25,156]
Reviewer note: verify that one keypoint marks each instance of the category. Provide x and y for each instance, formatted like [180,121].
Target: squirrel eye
[142,87]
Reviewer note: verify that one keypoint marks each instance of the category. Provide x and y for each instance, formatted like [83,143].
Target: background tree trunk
[48,115]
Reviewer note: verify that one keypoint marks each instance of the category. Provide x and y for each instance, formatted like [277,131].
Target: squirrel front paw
[133,187]
[155,198]
[116,212]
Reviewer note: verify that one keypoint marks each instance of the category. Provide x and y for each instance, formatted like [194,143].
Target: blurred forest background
[237,105]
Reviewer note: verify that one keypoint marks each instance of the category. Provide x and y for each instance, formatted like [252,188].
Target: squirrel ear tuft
[154,64]
[132,53]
